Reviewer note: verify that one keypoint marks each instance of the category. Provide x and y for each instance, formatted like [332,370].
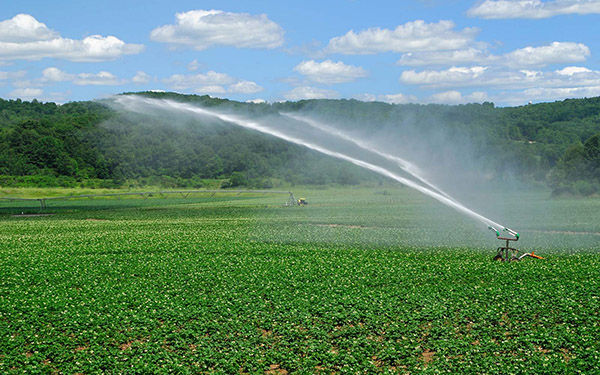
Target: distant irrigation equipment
[43,202]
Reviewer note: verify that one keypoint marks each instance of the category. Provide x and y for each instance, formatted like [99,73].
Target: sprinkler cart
[507,253]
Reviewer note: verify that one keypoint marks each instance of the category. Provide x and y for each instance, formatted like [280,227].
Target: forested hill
[87,143]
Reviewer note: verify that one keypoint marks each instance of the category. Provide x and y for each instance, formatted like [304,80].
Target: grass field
[367,280]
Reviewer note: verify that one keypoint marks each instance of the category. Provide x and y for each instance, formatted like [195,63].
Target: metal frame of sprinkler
[507,253]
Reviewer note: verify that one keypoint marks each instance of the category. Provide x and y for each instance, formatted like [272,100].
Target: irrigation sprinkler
[507,253]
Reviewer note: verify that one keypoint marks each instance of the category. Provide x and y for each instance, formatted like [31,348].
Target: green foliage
[243,285]
[87,140]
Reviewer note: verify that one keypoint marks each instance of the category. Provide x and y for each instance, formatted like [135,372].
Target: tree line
[90,144]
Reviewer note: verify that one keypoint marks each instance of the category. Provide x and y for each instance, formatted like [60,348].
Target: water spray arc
[405,165]
[141,105]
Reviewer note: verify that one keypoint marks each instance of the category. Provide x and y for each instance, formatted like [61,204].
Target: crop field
[365,280]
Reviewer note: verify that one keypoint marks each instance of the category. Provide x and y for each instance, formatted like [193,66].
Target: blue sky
[506,51]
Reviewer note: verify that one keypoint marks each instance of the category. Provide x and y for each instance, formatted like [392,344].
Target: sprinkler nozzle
[494,230]
[512,232]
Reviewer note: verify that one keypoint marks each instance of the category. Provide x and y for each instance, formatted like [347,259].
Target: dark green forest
[89,144]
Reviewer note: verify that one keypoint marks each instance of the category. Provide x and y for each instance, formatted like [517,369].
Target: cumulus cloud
[571,70]
[308,92]
[241,87]
[186,81]
[54,75]
[212,82]
[141,78]
[445,97]
[25,38]
[256,101]
[454,75]
[533,8]
[201,29]
[102,78]
[462,56]
[539,94]
[210,89]
[409,37]
[553,53]
[245,87]
[24,28]
[26,93]
[30,93]
[365,97]
[329,72]
[568,77]
[455,97]
[557,93]
[397,98]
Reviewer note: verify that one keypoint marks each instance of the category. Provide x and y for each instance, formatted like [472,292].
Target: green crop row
[350,283]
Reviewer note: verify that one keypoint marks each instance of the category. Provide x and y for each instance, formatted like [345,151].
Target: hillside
[557,144]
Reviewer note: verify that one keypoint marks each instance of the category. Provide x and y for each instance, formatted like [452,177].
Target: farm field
[362,280]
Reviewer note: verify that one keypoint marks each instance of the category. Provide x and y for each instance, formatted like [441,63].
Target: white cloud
[24,28]
[193,66]
[245,87]
[571,79]
[329,72]
[447,97]
[53,74]
[24,38]
[469,55]
[56,97]
[256,101]
[201,29]
[455,97]
[26,93]
[186,81]
[307,92]
[141,78]
[4,76]
[409,37]
[210,89]
[533,8]
[30,93]
[544,94]
[102,78]
[557,93]
[571,70]
[454,75]
[397,98]
[553,53]
[212,82]
[366,97]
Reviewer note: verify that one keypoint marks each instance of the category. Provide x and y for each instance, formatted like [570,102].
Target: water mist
[143,105]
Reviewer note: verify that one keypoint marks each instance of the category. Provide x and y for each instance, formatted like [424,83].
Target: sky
[510,52]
